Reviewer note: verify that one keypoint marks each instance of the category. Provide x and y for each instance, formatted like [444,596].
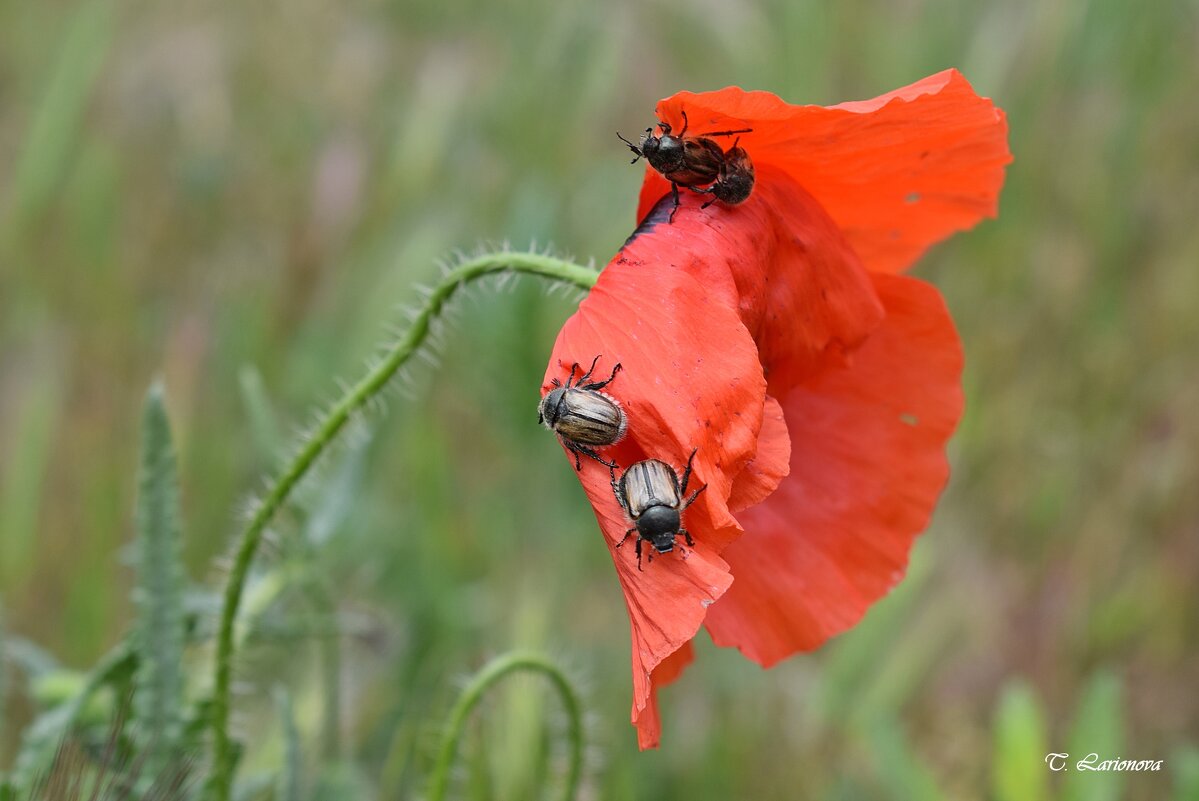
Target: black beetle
[736,179]
[654,499]
[583,417]
[695,162]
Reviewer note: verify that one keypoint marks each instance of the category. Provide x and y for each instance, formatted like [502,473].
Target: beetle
[583,417]
[736,179]
[694,162]
[654,499]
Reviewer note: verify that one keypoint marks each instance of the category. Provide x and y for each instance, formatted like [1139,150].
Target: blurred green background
[241,197]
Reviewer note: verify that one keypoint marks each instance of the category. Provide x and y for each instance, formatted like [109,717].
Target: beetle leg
[674,188]
[687,472]
[687,536]
[587,374]
[651,556]
[578,465]
[616,488]
[632,147]
[730,133]
[571,377]
[683,132]
[694,495]
[583,449]
[602,384]
[627,534]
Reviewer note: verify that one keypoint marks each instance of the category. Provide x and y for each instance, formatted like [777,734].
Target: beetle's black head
[659,525]
[550,408]
[665,152]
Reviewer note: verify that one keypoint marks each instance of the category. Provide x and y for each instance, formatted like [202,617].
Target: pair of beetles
[650,492]
[584,417]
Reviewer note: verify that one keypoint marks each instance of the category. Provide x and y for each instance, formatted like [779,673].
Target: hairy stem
[495,670]
[221,780]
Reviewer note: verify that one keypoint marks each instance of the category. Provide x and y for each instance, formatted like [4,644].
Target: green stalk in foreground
[495,670]
[220,783]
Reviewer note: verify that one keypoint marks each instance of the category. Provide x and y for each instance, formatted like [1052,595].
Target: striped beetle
[583,417]
[654,499]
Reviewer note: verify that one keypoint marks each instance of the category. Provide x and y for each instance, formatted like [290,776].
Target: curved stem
[495,670]
[221,780]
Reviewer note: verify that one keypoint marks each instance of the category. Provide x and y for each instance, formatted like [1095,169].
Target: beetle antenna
[683,132]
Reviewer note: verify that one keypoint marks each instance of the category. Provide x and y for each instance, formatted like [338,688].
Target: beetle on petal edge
[654,499]
[736,179]
[696,162]
[583,417]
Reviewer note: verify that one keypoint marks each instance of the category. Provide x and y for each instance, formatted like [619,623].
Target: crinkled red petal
[867,465]
[647,721]
[896,173]
[690,379]
[778,259]
[770,464]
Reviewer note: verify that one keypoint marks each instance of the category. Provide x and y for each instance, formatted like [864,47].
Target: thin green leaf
[1098,729]
[290,779]
[904,775]
[1019,771]
[31,658]
[159,628]
[264,424]
[22,478]
[57,122]
[1184,764]
[41,739]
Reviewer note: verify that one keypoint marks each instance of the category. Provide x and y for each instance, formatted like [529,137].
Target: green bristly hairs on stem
[221,780]
[495,670]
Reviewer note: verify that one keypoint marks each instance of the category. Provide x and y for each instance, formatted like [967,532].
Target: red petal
[868,462]
[770,464]
[648,722]
[897,173]
[690,379]
[778,259]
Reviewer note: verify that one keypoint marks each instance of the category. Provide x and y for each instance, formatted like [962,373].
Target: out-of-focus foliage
[238,196]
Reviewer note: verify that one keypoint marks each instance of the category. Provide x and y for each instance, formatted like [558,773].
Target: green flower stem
[495,670]
[221,780]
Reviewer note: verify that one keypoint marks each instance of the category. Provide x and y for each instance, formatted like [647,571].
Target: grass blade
[1019,772]
[1098,729]
[57,122]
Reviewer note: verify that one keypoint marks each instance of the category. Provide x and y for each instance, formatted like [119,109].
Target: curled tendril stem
[491,673]
[220,783]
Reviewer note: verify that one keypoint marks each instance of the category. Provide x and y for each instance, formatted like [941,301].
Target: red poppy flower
[819,387]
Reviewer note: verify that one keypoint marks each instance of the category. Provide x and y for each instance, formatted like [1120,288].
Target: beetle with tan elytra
[654,499]
[583,417]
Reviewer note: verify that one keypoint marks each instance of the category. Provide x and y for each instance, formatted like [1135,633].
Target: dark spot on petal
[660,213]
[907,418]
[913,197]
